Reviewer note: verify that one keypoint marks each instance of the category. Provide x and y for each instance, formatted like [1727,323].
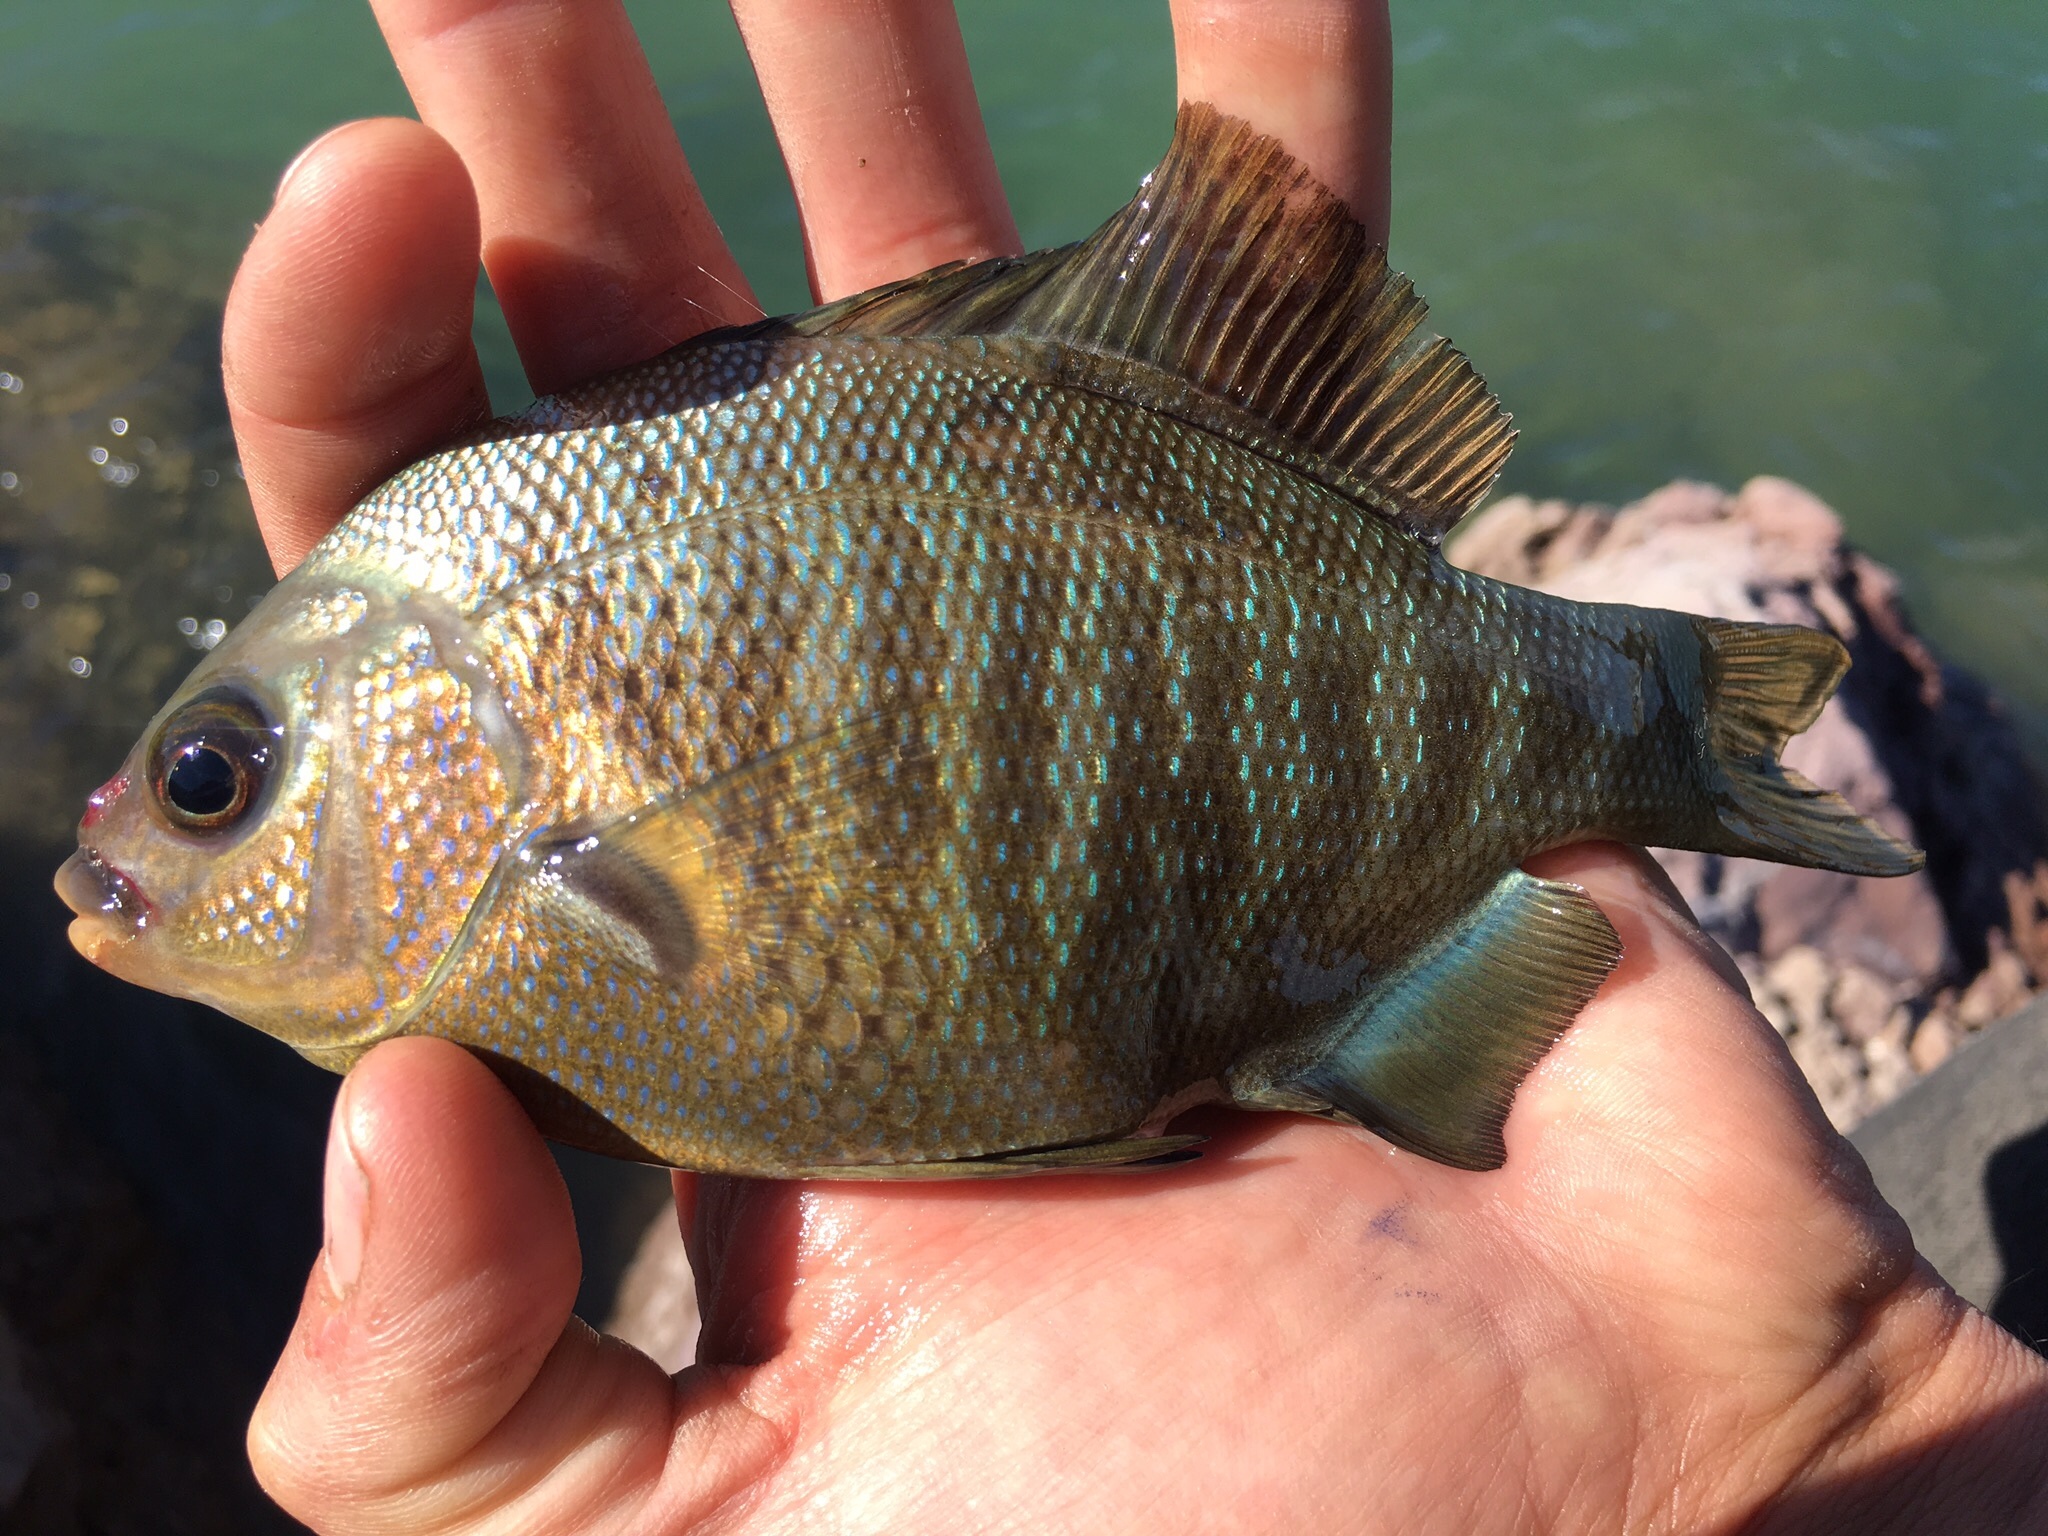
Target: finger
[1629,877]
[345,347]
[435,1373]
[1316,74]
[595,237]
[1671,1118]
[1675,997]
[875,111]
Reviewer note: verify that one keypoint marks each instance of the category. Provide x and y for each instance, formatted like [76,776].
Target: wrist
[1937,1421]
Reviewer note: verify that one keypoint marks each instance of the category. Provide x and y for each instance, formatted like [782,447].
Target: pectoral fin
[1138,1154]
[1430,1058]
[761,871]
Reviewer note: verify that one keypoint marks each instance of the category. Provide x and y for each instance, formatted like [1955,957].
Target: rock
[1803,978]
[1888,1067]
[2002,987]
[1933,1043]
[656,1309]
[1837,1073]
[1914,743]
[1964,1158]
[1864,1006]
[1843,1024]
[2026,906]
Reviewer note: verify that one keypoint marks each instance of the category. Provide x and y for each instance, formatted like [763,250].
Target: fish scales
[781,573]
[948,732]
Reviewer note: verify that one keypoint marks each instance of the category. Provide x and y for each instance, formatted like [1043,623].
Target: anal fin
[1136,1154]
[1430,1058]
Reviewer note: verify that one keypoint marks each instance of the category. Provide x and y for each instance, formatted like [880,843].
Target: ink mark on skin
[1392,1223]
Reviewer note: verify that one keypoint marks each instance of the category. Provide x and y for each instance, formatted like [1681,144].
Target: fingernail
[347,1200]
[299,160]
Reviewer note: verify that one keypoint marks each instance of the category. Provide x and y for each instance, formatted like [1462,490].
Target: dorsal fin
[1234,270]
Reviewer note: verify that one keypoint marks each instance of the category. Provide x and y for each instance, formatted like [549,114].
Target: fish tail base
[1763,684]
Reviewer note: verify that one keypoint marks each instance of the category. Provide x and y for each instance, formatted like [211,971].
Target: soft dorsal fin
[1235,271]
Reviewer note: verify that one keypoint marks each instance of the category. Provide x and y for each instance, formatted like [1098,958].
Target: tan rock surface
[656,1309]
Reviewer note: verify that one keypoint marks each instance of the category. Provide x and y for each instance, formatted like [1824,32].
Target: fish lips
[110,906]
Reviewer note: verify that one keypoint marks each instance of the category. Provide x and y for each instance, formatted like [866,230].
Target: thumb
[435,1373]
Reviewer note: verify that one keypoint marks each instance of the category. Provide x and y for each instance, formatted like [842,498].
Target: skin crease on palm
[1680,1307]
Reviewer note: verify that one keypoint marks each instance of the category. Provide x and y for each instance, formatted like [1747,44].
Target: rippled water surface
[1805,237]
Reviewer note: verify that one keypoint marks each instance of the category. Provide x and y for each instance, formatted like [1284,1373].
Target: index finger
[1315,74]
[595,236]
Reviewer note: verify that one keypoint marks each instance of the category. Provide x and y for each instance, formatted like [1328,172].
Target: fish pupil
[210,764]
[202,782]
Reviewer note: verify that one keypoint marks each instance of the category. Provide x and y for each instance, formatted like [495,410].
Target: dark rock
[26,1426]
[1964,1158]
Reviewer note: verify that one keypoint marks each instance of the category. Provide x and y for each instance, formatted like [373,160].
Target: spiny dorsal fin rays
[1236,271]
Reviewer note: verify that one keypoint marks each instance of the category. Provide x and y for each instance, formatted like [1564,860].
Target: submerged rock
[126,541]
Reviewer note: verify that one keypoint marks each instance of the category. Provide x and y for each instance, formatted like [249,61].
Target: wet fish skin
[818,750]
[1318,773]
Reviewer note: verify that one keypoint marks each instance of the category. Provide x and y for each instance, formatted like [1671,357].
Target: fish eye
[212,761]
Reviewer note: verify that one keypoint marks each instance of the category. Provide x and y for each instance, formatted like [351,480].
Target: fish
[951,731]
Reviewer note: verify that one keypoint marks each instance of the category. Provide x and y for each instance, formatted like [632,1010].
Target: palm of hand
[1680,1266]
[1311,1331]
[1678,1300]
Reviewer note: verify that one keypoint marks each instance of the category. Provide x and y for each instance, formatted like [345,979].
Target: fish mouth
[111,907]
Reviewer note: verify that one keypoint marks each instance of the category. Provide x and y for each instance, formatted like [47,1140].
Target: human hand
[347,348]
[1679,1306]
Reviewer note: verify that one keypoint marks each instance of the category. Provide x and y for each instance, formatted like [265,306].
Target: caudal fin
[1763,684]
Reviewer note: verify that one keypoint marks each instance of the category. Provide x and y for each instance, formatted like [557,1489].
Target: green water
[1802,237]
